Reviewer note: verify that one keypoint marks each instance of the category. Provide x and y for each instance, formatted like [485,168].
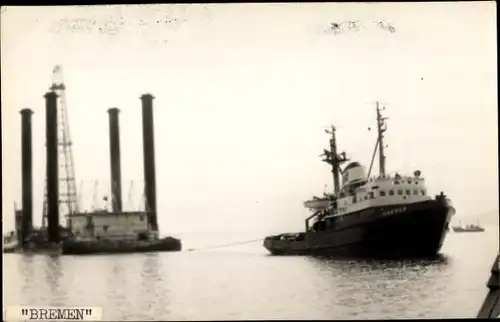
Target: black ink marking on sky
[111,26]
[385,25]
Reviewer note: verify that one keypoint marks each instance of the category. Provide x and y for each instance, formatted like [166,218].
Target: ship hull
[458,230]
[168,244]
[413,230]
[468,231]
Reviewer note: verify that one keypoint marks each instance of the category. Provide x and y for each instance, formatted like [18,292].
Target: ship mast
[381,127]
[334,159]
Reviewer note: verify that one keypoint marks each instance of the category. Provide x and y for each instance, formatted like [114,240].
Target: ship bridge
[354,173]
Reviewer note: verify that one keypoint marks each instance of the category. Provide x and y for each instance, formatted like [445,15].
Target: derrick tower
[68,196]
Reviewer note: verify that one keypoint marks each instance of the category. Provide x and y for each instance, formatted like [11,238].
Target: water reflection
[154,279]
[233,285]
[379,284]
[25,267]
[440,261]
[53,273]
[140,279]
[52,268]
[118,274]
[118,284]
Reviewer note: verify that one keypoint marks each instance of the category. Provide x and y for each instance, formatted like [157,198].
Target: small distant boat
[35,243]
[10,243]
[471,228]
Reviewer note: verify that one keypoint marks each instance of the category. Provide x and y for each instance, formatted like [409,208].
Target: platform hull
[168,244]
[36,248]
[401,231]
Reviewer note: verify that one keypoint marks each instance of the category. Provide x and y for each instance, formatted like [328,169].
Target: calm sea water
[243,282]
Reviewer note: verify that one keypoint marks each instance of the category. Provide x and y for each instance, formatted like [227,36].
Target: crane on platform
[68,195]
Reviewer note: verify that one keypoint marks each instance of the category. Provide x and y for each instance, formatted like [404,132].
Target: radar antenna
[381,127]
[335,160]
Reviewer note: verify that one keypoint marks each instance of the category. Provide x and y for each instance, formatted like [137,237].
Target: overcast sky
[243,92]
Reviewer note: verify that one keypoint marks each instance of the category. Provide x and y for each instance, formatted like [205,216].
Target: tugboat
[370,217]
[471,228]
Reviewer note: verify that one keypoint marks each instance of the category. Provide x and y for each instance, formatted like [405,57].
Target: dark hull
[36,248]
[400,231]
[461,230]
[168,244]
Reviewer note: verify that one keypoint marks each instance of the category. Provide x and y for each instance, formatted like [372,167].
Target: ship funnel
[149,159]
[52,164]
[26,221]
[115,161]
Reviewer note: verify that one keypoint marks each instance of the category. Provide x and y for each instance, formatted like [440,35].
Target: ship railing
[326,196]
[395,177]
[289,237]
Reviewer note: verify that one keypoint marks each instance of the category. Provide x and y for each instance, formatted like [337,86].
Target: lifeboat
[318,203]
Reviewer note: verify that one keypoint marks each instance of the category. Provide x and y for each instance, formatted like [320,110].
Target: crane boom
[68,198]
